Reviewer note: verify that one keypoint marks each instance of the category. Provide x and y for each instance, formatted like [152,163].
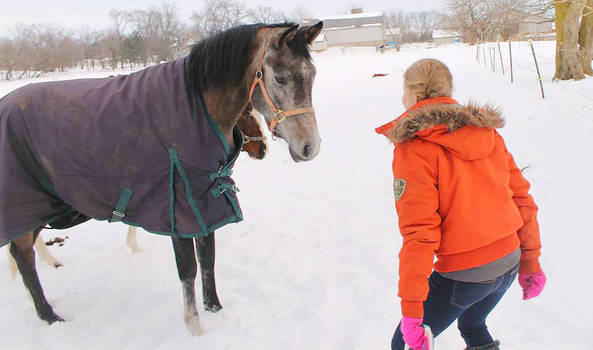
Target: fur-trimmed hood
[466,131]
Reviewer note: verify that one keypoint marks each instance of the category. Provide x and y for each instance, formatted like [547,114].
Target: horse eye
[280,80]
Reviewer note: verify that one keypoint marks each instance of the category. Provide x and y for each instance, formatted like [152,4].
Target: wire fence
[499,58]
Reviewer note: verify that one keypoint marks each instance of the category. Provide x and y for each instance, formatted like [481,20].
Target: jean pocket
[510,277]
[465,294]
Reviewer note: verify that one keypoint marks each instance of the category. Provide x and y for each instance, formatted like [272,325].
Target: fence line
[524,70]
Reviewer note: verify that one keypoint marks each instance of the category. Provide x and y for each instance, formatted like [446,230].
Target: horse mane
[222,59]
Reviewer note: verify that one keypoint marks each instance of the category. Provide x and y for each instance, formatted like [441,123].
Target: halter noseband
[279,114]
[247,139]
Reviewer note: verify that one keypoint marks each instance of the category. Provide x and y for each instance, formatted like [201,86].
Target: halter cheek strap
[279,114]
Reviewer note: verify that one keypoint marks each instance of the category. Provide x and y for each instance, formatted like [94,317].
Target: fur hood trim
[452,116]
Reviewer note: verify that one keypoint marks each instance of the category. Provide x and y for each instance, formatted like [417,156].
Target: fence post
[511,57]
[478,53]
[493,59]
[539,77]
[484,54]
[500,55]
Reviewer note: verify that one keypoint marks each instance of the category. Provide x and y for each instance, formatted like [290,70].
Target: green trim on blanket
[49,187]
[235,206]
[215,128]
[230,220]
[188,192]
[172,158]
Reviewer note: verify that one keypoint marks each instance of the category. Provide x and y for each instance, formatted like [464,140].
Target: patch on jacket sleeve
[399,186]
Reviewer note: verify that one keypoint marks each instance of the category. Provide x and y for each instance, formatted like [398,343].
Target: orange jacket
[459,195]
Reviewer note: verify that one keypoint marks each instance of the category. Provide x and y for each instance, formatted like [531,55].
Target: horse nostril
[307,150]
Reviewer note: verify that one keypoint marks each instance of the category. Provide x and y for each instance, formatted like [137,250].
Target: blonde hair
[428,78]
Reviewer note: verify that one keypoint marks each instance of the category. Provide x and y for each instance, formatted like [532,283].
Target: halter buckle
[281,114]
[259,74]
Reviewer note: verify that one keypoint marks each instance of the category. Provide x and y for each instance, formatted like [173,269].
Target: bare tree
[485,19]
[586,39]
[414,26]
[396,18]
[120,21]
[90,46]
[169,32]
[9,56]
[265,14]
[298,14]
[146,35]
[568,16]
[216,16]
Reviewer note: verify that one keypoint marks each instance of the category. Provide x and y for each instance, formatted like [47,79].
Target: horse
[266,65]
[254,141]
[254,144]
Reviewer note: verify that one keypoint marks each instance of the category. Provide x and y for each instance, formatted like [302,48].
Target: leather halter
[279,114]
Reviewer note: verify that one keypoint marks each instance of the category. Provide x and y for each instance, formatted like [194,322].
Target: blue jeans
[468,303]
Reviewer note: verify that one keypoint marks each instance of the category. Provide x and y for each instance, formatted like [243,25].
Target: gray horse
[66,154]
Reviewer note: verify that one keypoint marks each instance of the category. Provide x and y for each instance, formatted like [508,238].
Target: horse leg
[206,256]
[185,257]
[131,240]
[44,253]
[24,255]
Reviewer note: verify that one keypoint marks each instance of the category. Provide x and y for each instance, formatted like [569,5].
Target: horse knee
[22,250]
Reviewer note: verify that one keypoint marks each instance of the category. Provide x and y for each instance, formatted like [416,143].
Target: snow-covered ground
[314,264]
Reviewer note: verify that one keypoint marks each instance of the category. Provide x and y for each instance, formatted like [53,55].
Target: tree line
[160,33]
[138,37]
[491,20]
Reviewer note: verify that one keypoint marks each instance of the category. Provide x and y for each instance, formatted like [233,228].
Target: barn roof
[353,16]
[367,19]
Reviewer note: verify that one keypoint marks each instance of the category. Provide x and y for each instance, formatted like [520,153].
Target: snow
[314,264]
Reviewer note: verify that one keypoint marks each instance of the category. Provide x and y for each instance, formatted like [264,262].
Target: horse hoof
[194,326]
[214,307]
[52,318]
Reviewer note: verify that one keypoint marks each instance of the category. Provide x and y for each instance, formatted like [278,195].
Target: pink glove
[532,284]
[414,334]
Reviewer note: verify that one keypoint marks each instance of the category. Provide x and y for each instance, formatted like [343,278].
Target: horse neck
[227,104]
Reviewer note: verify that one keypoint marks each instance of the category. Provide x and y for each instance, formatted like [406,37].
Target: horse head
[254,141]
[282,87]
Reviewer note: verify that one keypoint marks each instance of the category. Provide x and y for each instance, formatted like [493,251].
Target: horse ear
[310,33]
[288,35]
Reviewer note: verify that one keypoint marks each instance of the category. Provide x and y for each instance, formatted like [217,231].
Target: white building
[536,27]
[320,43]
[355,29]
[446,37]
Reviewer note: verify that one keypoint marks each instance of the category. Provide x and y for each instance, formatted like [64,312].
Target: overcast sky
[75,13]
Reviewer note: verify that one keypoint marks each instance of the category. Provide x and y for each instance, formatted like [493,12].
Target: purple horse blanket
[136,148]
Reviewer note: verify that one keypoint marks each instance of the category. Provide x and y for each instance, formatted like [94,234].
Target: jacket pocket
[465,294]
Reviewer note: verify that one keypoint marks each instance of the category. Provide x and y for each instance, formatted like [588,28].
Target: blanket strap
[176,164]
[120,208]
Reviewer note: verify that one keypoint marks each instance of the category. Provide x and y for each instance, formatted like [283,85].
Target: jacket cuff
[414,309]
[529,266]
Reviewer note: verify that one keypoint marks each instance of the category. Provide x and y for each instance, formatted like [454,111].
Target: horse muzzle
[305,151]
